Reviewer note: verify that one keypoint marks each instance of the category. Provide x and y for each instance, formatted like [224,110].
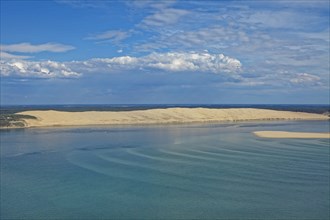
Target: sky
[164,52]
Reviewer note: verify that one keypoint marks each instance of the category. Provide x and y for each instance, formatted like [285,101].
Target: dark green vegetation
[13,121]
[327,113]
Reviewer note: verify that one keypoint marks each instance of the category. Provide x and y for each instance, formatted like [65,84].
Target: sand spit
[161,116]
[285,134]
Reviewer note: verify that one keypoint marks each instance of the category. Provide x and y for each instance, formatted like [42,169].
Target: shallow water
[178,171]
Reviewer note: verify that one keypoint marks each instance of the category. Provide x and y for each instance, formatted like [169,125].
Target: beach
[286,134]
[161,116]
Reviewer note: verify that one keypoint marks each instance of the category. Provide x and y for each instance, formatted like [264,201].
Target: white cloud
[171,62]
[299,5]
[163,17]
[229,69]
[6,56]
[168,62]
[41,69]
[280,19]
[305,78]
[282,78]
[111,35]
[84,3]
[30,48]
[214,37]
[150,3]
[204,62]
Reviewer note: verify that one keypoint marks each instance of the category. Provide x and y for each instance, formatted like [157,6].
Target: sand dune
[161,116]
[286,134]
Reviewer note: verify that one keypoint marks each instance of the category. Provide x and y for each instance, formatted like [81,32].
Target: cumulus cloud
[30,48]
[171,62]
[204,62]
[229,69]
[168,62]
[41,69]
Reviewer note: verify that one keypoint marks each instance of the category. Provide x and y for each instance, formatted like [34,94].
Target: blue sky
[155,52]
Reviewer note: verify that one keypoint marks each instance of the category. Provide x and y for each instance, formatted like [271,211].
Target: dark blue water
[218,171]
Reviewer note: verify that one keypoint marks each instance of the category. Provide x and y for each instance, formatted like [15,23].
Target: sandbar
[161,116]
[287,134]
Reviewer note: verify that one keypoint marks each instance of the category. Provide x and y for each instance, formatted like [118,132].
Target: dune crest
[161,116]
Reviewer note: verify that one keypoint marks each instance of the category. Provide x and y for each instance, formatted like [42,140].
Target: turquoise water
[172,172]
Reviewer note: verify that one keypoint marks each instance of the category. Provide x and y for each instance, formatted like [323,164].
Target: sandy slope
[285,134]
[161,116]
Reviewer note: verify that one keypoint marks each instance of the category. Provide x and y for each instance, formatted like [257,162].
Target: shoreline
[160,124]
[51,118]
[289,134]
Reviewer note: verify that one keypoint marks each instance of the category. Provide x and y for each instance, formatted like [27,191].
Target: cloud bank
[228,70]
[41,69]
[168,62]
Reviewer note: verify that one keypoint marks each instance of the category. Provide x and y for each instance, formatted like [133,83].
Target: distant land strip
[155,116]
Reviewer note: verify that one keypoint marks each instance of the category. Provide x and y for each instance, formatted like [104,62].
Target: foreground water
[179,171]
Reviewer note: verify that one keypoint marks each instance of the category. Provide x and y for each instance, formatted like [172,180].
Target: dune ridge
[161,116]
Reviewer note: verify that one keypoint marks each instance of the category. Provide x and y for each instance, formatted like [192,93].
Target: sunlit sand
[286,134]
[161,116]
